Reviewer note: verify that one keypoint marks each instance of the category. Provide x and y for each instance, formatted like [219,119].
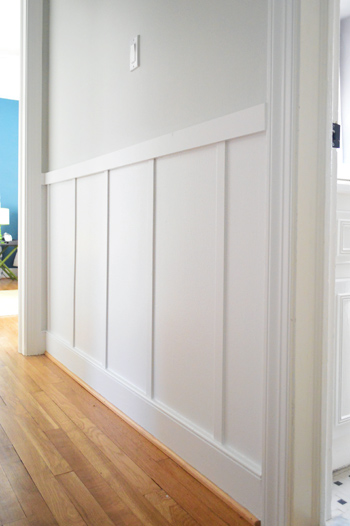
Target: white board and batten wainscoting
[157,290]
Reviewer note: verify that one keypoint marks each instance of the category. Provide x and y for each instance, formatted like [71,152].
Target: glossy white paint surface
[130,273]
[61,249]
[184,335]
[246,294]
[91,267]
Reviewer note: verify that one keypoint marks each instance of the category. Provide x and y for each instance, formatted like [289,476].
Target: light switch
[135,53]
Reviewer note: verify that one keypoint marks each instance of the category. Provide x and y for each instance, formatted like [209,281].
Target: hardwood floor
[66,459]
[8,284]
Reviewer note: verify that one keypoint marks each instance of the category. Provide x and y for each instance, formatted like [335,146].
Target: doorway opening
[10,29]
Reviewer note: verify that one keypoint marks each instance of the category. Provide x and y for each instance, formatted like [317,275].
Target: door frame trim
[327,379]
[31,196]
[283,93]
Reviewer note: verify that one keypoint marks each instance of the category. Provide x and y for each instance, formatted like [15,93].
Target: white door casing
[32,195]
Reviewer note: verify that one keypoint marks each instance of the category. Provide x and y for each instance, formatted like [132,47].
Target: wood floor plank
[170,509]
[10,382]
[8,454]
[22,522]
[53,493]
[31,501]
[98,412]
[132,498]
[41,364]
[189,502]
[10,359]
[126,467]
[200,492]
[8,284]
[45,448]
[29,426]
[100,415]
[85,503]
[4,439]
[10,509]
[108,499]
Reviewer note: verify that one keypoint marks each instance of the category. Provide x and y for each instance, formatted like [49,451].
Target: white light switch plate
[135,53]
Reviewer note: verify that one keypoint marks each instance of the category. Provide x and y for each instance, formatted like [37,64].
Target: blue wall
[9,163]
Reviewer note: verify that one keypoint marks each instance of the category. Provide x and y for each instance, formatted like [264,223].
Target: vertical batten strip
[150,368]
[75,257]
[108,174]
[219,287]
[48,267]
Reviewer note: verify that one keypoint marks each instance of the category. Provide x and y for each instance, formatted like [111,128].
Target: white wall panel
[246,294]
[91,267]
[130,274]
[341,429]
[184,333]
[344,355]
[61,248]
[343,228]
[345,237]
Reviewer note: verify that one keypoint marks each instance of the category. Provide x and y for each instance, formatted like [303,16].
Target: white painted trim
[313,225]
[231,471]
[48,266]
[329,109]
[31,213]
[75,257]
[108,175]
[150,359]
[22,320]
[238,124]
[220,288]
[282,89]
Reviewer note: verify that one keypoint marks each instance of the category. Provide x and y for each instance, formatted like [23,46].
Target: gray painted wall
[200,59]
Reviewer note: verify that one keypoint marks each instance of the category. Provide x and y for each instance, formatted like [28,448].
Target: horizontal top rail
[238,124]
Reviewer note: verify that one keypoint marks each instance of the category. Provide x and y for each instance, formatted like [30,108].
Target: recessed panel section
[185,253]
[345,237]
[130,274]
[91,266]
[344,355]
[61,242]
[246,295]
